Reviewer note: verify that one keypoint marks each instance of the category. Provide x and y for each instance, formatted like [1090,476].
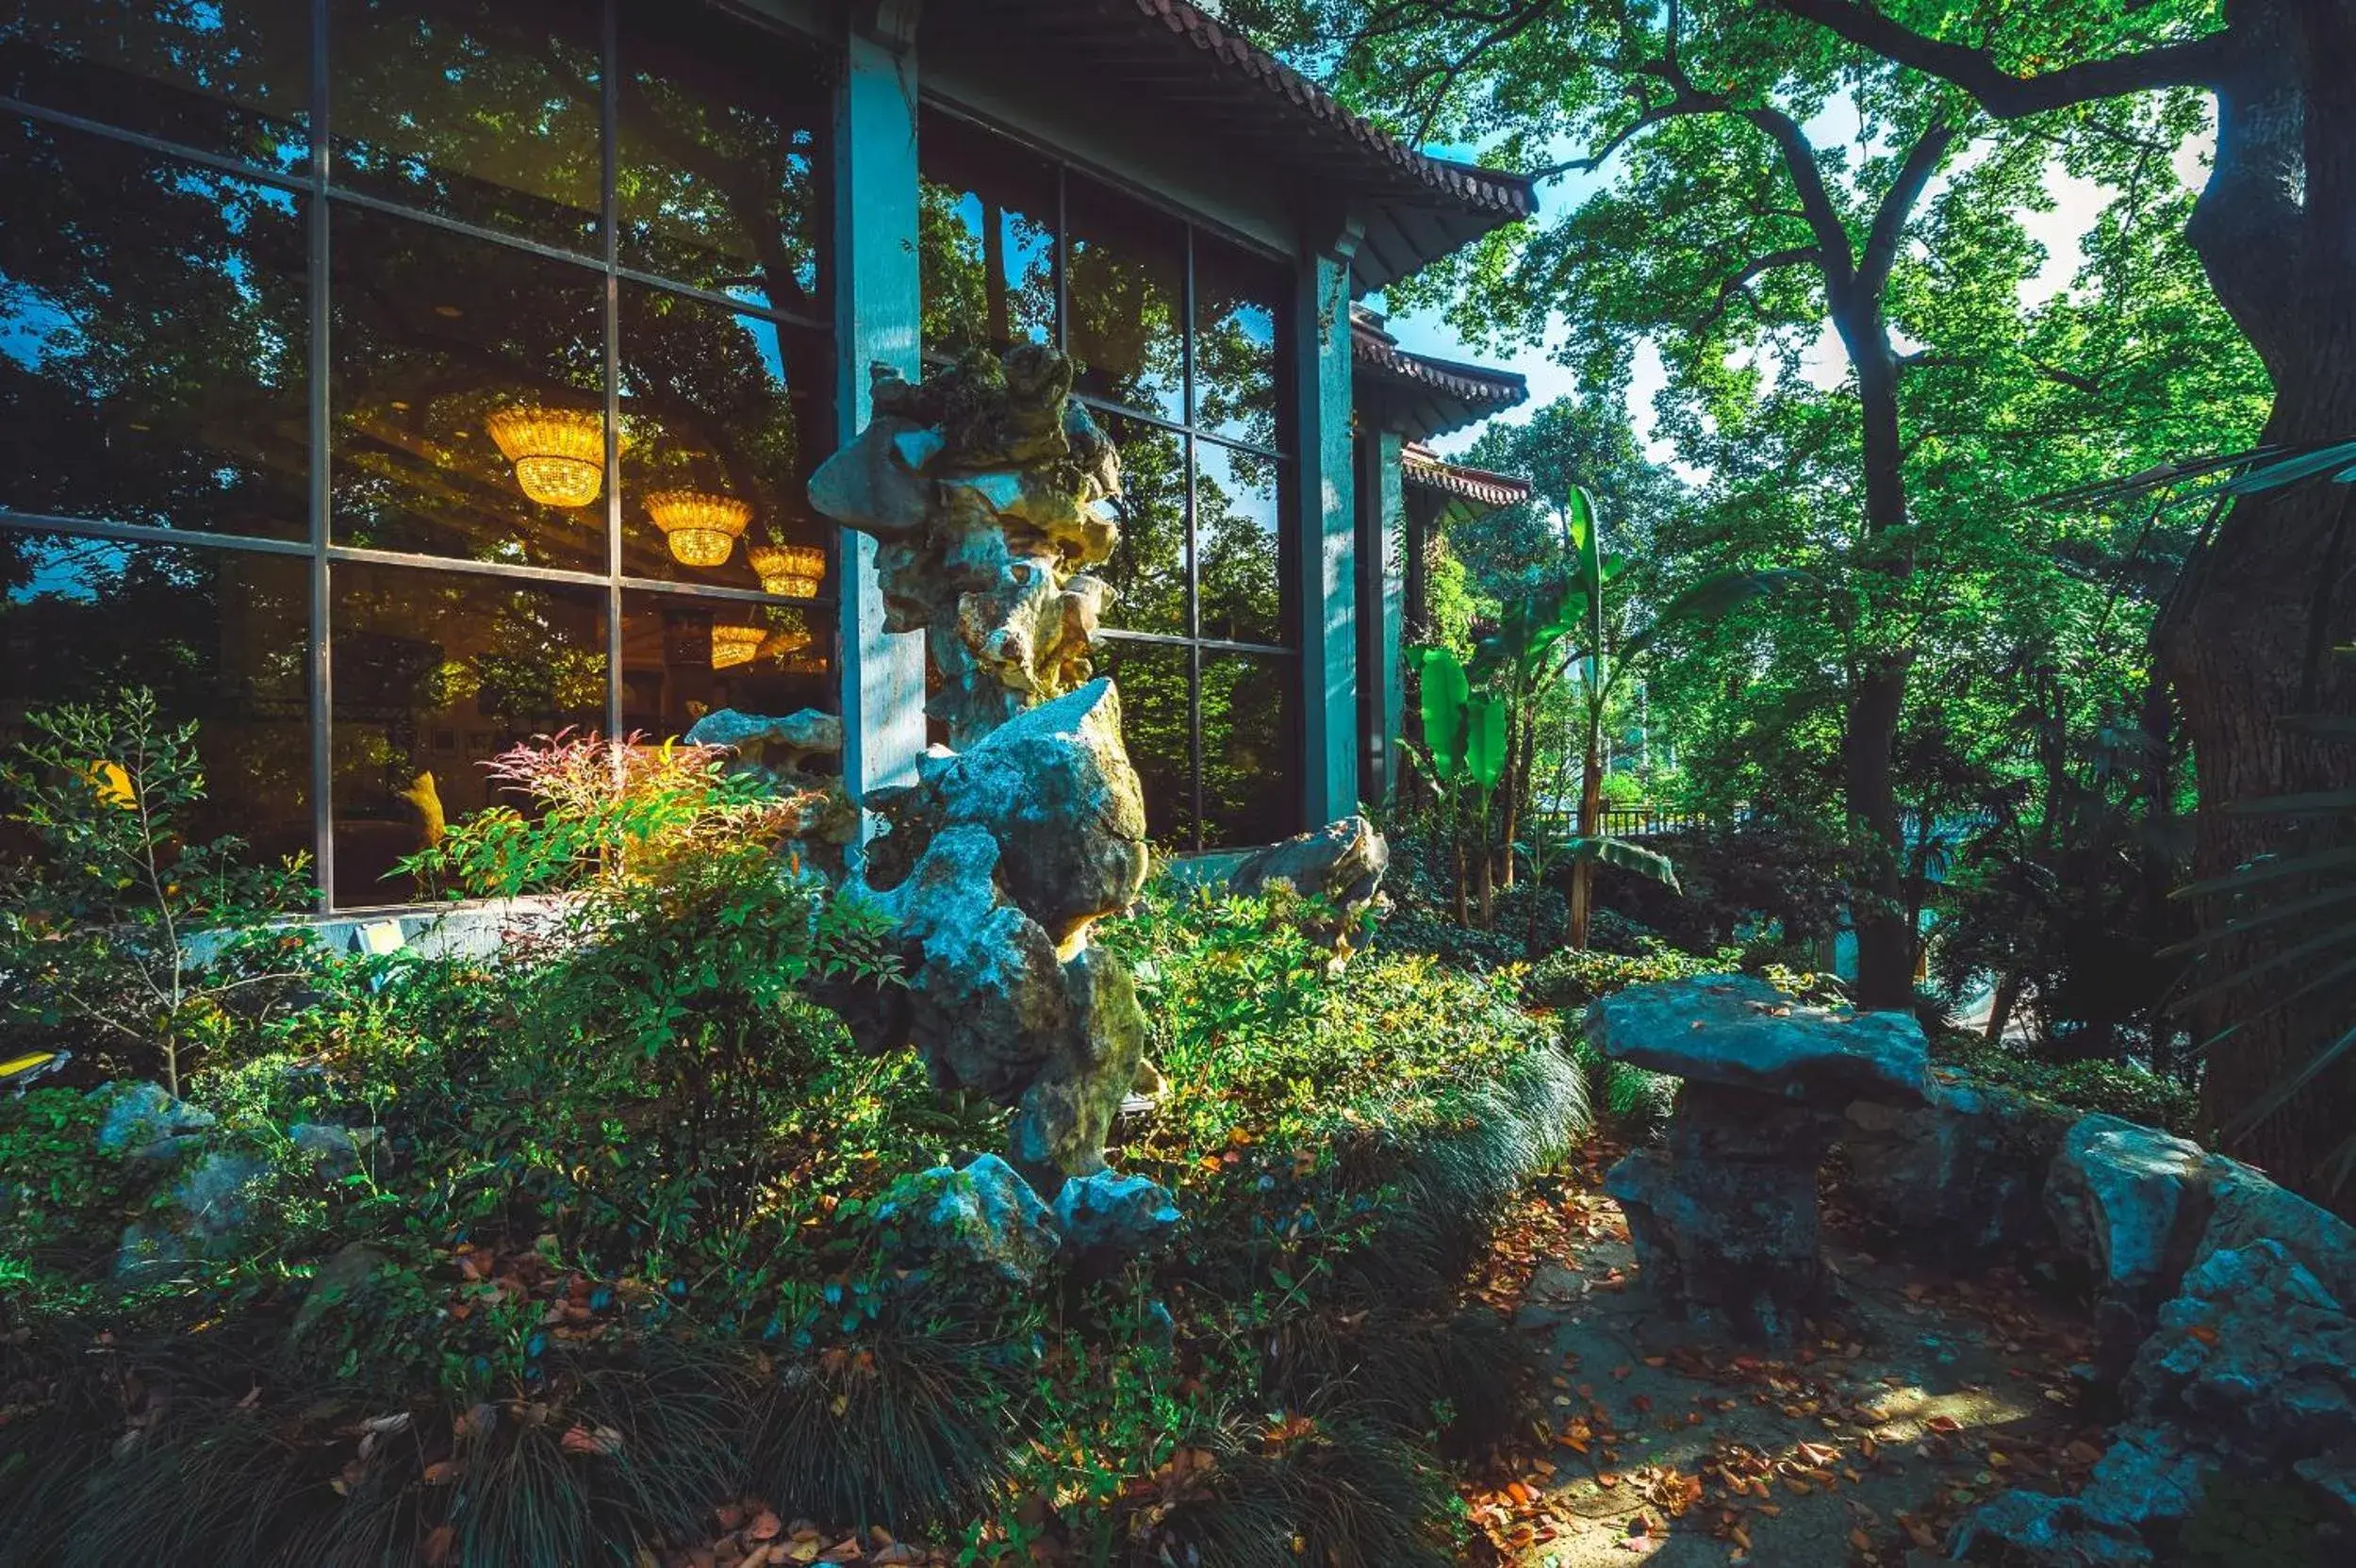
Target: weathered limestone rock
[983,487]
[1723,1215]
[2249,1375]
[2245,1207]
[145,1122]
[997,863]
[783,745]
[1341,863]
[339,1150]
[985,1214]
[210,1209]
[1960,1177]
[781,749]
[2130,1202]
[1741,1032]
[1112,1215]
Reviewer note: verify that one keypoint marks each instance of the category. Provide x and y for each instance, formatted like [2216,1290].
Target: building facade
[386,381]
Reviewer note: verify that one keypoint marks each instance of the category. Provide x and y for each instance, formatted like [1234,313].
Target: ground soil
[1857,1447]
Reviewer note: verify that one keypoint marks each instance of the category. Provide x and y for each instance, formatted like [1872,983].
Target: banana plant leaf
[1445,692]
[1485,738]
[1627,856]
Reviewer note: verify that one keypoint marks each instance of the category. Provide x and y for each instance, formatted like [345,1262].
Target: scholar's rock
[1340,863]
[983,488]
[985,1215]
[1724,1215]
[997,864]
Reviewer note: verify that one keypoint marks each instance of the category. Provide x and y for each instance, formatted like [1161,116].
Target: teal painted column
[879,304]
[1326,586]
[1390,530]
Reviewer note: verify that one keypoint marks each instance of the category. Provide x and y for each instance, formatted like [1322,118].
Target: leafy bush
[1572,979]
[145,951]
[1735,881]
[2115,1088]
[611,1256]
[604,813]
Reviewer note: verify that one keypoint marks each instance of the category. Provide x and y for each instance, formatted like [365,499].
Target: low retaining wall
[2223,1307]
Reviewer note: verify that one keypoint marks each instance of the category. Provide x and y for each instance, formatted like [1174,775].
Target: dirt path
[1856,1449]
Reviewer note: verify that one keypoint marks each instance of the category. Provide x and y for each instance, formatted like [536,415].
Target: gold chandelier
[783,641]
[559,454]
[788,570]
[700,525]
[734,643]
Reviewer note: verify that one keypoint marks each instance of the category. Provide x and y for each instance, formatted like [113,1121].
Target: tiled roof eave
[1373,351]
[1459,482]
[1492,192]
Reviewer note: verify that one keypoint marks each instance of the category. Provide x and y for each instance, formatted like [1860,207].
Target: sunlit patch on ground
[1856,1451]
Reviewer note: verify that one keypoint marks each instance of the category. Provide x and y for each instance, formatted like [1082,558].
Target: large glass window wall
[387,382]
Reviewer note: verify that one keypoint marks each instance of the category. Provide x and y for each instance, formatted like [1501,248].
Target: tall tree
[1763,179]
[2275,229]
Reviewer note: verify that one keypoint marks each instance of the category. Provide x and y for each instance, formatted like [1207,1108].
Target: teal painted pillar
[1389,520]
[1325,586]
[879,304]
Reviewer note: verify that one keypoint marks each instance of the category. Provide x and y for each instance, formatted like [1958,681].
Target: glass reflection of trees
[221,635]
[483,249]
[153,339]
[1014,248]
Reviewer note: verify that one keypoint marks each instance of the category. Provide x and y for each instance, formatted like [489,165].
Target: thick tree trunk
[1877,902]
[2276,230]
[1885,938]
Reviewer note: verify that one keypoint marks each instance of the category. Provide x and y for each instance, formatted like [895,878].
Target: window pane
[1237,508]
[1153,679]
[438,338]
[1147,572]
[1128,302]
[489,110]
[684,659]
[219,635]
[717,177]
[232,79]
[1236,351]
[723,414]
[153,339]
[437,672]
[985,241]
[1251,783]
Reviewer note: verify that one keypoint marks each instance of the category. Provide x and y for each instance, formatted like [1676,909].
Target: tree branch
[1739,284]
[2196,62]
[1890,219]
[1838,258]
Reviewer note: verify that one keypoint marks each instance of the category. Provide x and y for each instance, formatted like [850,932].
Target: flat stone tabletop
[1739,1031]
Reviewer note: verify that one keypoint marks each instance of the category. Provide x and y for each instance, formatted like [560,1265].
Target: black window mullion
[1194,733]
[609,131]
[256,173]
[1063,264]
[322,494]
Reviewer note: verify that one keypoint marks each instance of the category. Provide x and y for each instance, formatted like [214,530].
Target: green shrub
[141,950]
[1572,979]
[612,1252]
[2115,1088]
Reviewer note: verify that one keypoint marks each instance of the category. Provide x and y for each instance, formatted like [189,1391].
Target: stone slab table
[1722,1214]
